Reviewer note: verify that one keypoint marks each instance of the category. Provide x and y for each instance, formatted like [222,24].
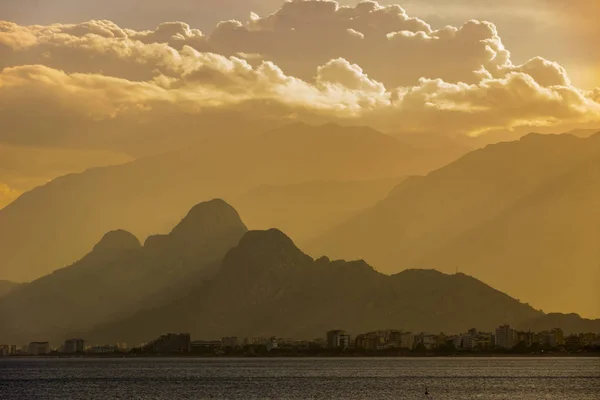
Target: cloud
[378,66]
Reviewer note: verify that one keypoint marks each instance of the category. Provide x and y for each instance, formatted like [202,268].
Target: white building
[505,337]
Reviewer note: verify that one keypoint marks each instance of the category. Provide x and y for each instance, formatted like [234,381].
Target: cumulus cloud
[367,63]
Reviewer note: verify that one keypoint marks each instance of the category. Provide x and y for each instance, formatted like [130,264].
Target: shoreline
[325,356]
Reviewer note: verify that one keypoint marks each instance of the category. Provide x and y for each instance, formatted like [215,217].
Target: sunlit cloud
[378,66]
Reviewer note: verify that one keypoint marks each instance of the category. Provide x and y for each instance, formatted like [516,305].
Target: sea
[301,378]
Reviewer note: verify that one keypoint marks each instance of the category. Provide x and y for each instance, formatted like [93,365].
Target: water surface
[349,379]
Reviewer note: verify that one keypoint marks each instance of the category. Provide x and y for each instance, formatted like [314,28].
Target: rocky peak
[117,242]
[209,219]
[270,249]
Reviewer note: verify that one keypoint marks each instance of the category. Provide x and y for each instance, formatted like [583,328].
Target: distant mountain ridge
[120,276]
[522,215]
[211,277]
[267,286]
[54,225]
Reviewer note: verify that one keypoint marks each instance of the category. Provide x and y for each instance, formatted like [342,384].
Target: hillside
[522,216]
[54,225]
[267,286]
[120,276]
[6,287]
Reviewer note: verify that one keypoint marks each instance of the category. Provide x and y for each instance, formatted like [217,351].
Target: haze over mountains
[307,210]
[267,286]
[120,276]
[54,225]
[523,216]
[212,278]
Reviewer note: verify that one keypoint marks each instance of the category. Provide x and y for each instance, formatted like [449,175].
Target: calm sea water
[398,378]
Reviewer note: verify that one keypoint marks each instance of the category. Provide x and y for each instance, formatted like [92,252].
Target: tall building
[505,337]
[73,346]
[554,338]
[338,339]
[39,348]
[407,340]
[559,336]
[170,343]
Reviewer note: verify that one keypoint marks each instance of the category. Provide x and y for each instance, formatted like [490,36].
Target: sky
[99,76]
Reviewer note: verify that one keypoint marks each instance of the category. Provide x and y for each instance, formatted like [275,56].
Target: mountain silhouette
[53,225]
[120,276]
[6,287]
[521,215]
[568,322]
[267,286]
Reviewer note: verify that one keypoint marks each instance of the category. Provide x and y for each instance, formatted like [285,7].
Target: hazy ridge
[211,277]
[54,225]
[521,215]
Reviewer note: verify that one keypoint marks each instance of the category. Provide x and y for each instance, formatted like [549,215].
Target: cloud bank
[363,64]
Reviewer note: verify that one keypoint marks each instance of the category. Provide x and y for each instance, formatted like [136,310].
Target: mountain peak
[270,237]
[265,249]
[116,242]
[207,219]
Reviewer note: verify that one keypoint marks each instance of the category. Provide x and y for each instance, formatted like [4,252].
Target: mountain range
[120,276]
[523,216]
[211,277]
[53,225]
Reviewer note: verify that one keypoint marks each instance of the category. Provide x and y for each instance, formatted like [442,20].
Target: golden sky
[463,67]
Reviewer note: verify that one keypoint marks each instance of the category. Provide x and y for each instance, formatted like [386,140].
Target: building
[407,340]
[527,338]
[5,350]
[559,336]
[428,341]
[589,339]
[505,337]
[170,343]
[272,344]
[39,348]
[73,346]
[368,341]
[338,339]
[230,342]
[554,338]
[573,342]
[462,342]
[483,341]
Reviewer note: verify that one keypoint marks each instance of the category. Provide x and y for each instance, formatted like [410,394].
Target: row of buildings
[70,346]
[504,337]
